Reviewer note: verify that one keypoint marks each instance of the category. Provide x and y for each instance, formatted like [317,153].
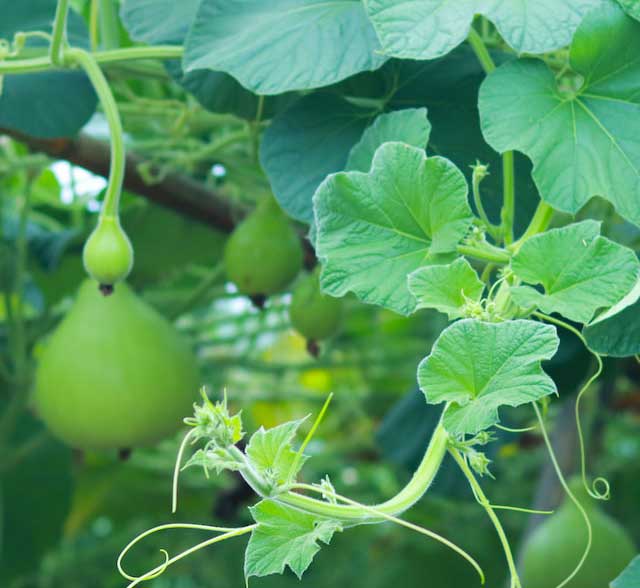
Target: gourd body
[114,373]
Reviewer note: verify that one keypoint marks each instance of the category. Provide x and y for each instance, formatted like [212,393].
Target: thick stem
[405,499]
[108,21]
[481,51]
[484,501]
[116,170]
[59,32]
[539,223]
[486,252]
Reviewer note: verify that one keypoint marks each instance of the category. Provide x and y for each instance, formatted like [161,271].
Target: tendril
[570,494]
[374,511]
[512,430]
[227,533]
[176,471]
[592,489]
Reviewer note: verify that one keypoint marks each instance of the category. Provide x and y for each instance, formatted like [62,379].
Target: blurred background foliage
[66,515]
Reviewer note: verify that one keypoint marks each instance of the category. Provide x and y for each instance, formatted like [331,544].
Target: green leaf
[158,21]
[306,143]
[583,143]
[579,270]
[447,288]
[44,104]
[374,229]
[166,21]
[270,451]
[630,576]
[478,367]
[281,45]
[426,29]
[409,126]
[284,537]
[616,332]
[631,7]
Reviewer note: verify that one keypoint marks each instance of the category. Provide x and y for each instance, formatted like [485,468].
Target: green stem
[508,194]
[508,176]
[486,252]
[479,173]
[481,51]
[484,501]
[43,63]
[539,223]
[109,29]
[110,108]
[405,499]
[59,32]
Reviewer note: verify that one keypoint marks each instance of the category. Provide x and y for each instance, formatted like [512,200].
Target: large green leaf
[478,367]
[281,45]
[306,143]
[45,104]
[407,126]
[167,21]
[632,7]
[630,577]
[616,332]
[426,29]
[579,270]
[447,288]
[374,229]
[583,143]
[284,537]
[35,497]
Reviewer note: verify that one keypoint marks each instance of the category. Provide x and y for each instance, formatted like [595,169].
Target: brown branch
[175,191]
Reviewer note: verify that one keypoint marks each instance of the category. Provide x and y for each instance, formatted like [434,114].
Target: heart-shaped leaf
[374,229]
[426,29]
[582,142]
[478,367]
[281,45]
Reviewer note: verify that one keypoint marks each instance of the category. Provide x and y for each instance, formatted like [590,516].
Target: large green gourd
[555,547]
[115,373]
[263,254]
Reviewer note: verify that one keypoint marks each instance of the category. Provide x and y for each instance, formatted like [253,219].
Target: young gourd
[316,316]
[556,546]
[114,374]
[263,254]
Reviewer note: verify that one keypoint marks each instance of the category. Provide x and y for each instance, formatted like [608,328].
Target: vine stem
[44,63]
[583,512]
[539,223]
[486,252]
[593,489]
[377,513]
[59,32]
[402,501]
[227,533]
[116,170]
[507,213]
[484,502]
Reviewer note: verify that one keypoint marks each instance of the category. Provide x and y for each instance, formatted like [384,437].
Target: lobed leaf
[447,288]
[478,367]
[284,537]
[579,270]
[374,229]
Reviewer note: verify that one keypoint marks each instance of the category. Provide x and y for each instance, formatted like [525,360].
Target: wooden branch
[177,192]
